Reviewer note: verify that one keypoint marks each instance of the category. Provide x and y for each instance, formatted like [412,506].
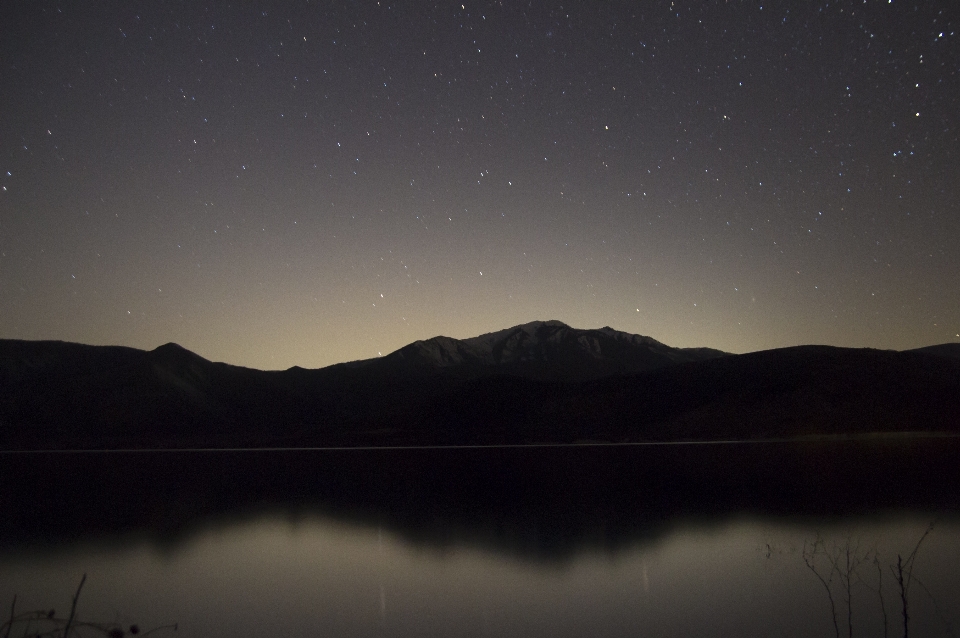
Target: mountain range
[541,382]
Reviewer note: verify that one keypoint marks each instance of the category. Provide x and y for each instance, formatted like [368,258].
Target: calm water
[676,541]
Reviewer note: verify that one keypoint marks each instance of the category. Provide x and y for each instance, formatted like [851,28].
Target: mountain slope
[541,382]
[948,350]
[544,350]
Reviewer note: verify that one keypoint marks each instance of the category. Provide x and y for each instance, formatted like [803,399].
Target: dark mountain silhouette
[950,350]
[540,382]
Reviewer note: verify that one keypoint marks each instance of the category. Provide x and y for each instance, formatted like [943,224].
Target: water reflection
[315,576]
[554,543]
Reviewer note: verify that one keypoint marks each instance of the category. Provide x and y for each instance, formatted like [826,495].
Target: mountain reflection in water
[674,540]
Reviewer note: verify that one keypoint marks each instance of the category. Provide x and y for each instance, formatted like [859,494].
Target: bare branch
[13,614]
[936,607]
[808,558]
[73,607]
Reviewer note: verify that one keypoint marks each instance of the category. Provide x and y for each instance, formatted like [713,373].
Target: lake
[674,540]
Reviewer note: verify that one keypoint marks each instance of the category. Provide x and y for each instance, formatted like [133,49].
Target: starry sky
[302,183]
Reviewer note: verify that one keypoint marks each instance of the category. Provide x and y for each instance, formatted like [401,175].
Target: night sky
[276,183]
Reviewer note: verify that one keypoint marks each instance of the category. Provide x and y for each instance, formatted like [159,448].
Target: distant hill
[539,382]
[949,350]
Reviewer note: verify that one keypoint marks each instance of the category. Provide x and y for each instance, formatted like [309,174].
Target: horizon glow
[305,185]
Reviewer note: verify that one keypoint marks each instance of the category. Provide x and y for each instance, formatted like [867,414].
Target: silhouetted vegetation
[46,624]
[839,567]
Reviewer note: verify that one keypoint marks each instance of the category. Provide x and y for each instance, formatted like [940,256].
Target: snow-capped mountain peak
[544,349]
